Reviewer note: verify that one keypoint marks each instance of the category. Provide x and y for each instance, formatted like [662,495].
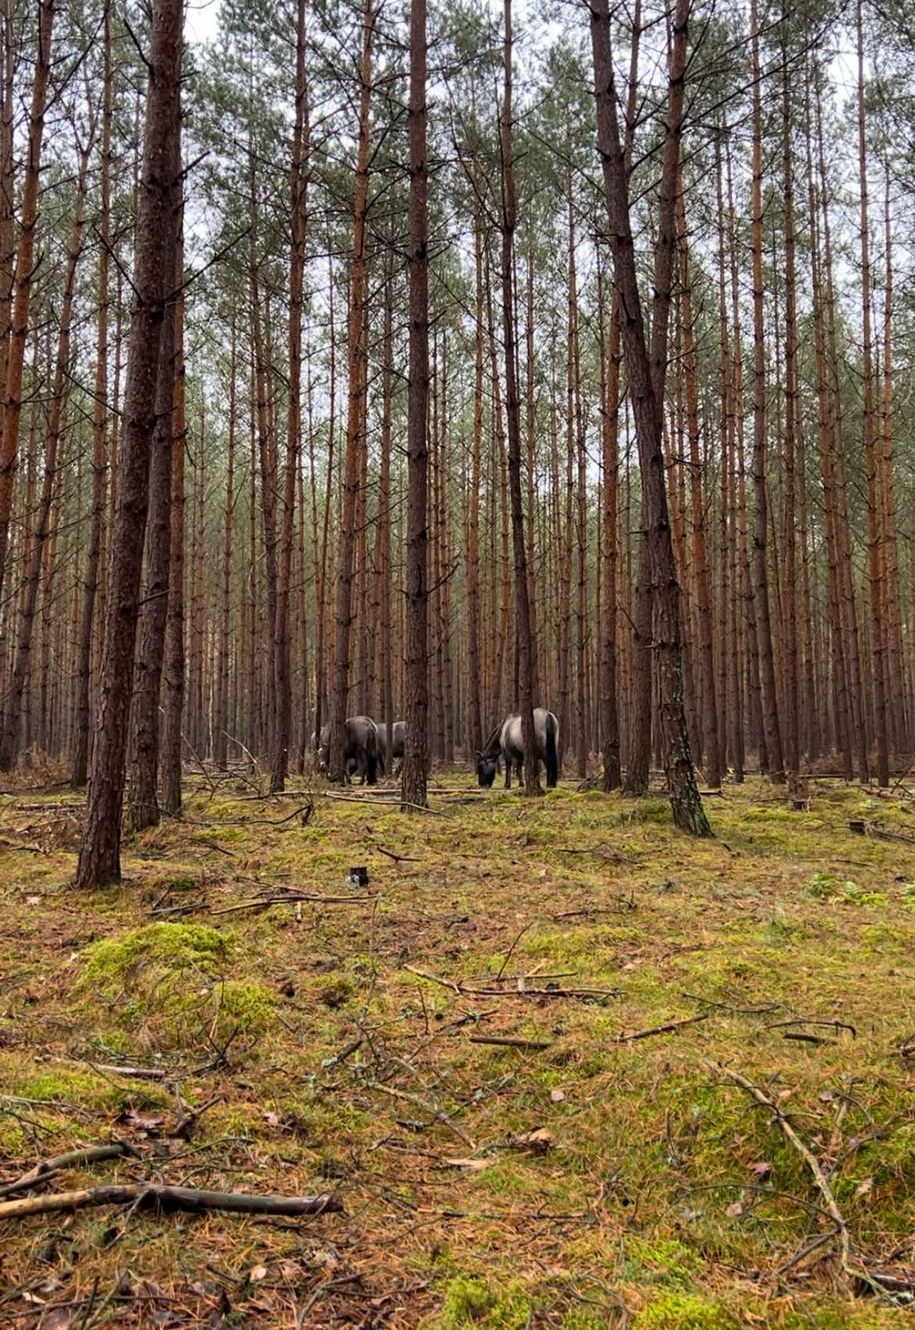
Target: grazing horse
[360,750]
[398,742]
[507,741]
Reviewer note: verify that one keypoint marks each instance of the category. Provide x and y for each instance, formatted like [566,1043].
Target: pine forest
[396,400]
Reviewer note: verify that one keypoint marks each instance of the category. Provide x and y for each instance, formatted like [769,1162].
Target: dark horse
[360,750]
[506,741]
[398,742]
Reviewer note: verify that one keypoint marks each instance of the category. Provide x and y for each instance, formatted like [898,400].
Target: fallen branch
[19,845]
[554,992]
[138,1073]
[509,1041]
[397,803]
[846,1249]
[49,1168]
[261,902]
[726,1006]
[862,828]
[151,1194]
[398,858]
[661,1029]
[804,1020]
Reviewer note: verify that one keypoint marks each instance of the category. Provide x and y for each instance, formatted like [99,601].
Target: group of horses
[365,748]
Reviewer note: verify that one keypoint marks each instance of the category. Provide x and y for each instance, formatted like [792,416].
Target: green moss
[114,962]
[166,984]
[472,1302]
[683,1311]
[669,1258]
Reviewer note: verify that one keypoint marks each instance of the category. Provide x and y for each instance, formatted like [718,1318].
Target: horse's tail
[551,758]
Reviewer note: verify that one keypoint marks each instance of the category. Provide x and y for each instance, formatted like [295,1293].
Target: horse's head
[486,770]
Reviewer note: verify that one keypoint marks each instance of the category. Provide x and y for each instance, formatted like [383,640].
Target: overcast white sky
[200,23]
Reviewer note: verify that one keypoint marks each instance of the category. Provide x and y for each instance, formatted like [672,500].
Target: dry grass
[655,1192]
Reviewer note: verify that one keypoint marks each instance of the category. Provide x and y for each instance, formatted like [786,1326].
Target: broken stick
[48,1168]
[151,1194]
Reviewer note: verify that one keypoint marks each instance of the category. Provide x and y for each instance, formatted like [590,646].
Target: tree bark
[646,372]
[82,720]
[99,860]
[414,773]
[298,187]
[25,273]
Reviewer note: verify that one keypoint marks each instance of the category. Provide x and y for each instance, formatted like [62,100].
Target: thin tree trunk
[699,547]
[760,574]
[25,273]
[298,186]
[173,686]
[414,773]
[99,430]
[513,421]
[356,413]
[872,450]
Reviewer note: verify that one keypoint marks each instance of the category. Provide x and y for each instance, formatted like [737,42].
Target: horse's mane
[493,745]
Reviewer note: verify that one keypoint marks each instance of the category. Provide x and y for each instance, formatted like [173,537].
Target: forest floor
[601,1172]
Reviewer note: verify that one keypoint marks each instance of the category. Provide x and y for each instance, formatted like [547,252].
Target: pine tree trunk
[414,773]
[99,860]
[298,185]
[701,568]
[760,572]
[872,450]
[25,273]
[356,415]
[611,362]
[82,721]
[645,370]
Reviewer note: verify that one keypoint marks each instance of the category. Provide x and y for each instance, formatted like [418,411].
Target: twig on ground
[397,803]
[48,1168]
[261,902]
[184,1128]
[107,1069]
[464,989]
[846,1249]
[726,1006]
[623,904]
[517,938]
[863,828]
[509,1041]
[164,1198]
[398,858]
[805,1020]
[800,1038]
[670,1027]
[418,1102]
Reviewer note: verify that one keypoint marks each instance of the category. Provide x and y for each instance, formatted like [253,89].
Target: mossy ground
[667,1201]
